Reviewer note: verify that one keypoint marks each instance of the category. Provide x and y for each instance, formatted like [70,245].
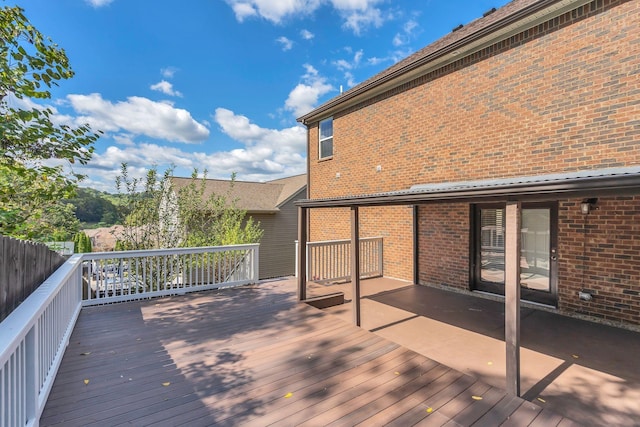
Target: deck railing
[330,260]
[128,275]
[34,336]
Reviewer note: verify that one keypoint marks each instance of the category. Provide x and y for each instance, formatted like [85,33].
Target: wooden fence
[23,267]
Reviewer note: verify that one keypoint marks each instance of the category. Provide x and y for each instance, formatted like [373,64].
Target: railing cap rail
[170,251]
[26,314]
[328,242]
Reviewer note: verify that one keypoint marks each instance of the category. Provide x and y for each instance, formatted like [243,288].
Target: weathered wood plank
[546,418]
[500,412]
[523,416]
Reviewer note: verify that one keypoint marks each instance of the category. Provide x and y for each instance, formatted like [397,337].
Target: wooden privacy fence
[23,267]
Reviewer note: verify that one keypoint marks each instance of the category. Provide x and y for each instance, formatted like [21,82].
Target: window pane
[326,148]
[492,245]
[534,263]
[326,129]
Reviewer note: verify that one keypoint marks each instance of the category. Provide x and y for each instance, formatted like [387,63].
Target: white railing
[330,260]
[128,275]
[34,336]
[32,342]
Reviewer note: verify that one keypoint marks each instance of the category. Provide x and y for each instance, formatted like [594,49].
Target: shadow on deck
[586,371]
[254,356]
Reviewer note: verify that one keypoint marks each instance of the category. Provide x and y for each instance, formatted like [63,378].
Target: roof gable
[251,196]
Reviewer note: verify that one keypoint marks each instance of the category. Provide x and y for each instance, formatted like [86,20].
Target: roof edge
[484,36]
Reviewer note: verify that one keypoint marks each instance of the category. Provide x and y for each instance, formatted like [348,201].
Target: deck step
[325,301]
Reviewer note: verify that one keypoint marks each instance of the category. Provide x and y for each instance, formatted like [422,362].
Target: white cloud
[357,14]
[272,10]
[166,88]
[348,65]
[285,42]
[407,34]
[306,34]
[138,116]
[304,97]
[168,72]
[351,81]
[266,152]
[343,64]
[357,21]
[99,3]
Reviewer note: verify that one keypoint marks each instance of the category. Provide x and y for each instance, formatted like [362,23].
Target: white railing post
[256,264]
[380,258]
[31,359]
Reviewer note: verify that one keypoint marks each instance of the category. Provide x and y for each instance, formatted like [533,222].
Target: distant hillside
[96,208]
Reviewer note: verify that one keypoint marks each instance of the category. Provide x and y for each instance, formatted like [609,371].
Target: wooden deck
[254,356]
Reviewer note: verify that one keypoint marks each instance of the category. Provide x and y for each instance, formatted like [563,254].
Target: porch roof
[583,183]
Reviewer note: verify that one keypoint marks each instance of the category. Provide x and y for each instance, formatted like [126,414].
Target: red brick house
[506,155]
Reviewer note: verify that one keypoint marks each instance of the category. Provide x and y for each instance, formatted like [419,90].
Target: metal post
[416,245]
[355,263]
[512,295]
[302,256]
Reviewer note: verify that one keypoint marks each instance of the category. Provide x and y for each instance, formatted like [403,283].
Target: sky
[218,84]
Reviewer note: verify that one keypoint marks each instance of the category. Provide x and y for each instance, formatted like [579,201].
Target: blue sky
[218,84]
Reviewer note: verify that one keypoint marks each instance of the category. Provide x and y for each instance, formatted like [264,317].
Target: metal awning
[584,183]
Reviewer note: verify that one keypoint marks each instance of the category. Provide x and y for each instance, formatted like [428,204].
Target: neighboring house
[532,110]
[271,204]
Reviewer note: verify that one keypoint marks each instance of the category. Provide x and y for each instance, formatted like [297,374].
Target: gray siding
[277,247]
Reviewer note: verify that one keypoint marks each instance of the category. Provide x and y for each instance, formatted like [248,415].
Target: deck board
[254,356]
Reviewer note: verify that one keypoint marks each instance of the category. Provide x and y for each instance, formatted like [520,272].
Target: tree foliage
[92,206]
[161,216]
[82,243]
[33,146]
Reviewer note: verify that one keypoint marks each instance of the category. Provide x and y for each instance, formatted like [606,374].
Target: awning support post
[302,253]
[355,264]
[512,295]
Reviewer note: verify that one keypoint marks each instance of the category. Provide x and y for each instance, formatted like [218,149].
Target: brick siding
[560,97]
[600,253]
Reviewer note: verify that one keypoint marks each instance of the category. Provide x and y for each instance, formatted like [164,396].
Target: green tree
[30,65]
[91,206]
[161,216]
[82,243]
[213,220]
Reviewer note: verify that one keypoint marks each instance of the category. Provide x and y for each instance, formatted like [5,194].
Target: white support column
[512,295]
[302,255]
[355,263]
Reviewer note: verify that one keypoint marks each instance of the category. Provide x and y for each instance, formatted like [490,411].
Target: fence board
[23,267]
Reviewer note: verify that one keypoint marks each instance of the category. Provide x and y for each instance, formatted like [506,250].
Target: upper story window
[326,138]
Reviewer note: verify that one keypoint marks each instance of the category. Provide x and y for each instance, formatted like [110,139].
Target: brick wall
[559,97]
[393,223]
[444,244]
[600,253]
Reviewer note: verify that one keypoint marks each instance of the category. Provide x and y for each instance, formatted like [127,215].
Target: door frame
[475,284]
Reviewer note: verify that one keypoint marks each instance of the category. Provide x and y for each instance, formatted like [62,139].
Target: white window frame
[321,140]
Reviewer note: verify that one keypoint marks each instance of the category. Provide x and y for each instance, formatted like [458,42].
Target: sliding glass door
[537,255]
